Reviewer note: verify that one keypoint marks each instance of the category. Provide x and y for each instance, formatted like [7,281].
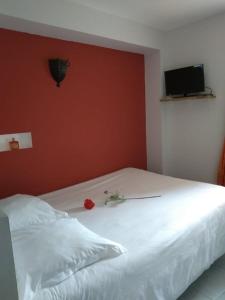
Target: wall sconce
[58,68]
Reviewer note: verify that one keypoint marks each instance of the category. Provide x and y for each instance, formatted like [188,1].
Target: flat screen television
[184,81]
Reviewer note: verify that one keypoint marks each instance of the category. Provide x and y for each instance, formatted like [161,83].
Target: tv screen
[184,81]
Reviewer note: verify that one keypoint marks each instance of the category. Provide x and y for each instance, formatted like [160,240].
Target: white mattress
[171,240]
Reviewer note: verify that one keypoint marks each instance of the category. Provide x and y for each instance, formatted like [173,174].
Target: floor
[210,286]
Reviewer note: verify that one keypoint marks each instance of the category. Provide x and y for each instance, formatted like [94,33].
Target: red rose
[89,204]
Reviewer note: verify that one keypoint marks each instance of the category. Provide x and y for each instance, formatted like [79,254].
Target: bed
[170,240]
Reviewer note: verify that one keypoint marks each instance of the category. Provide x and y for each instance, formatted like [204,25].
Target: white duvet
[171,240]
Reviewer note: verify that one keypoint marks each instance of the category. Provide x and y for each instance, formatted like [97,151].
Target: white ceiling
[160,14]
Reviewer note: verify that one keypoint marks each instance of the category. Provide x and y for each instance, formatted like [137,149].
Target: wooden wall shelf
[167,99]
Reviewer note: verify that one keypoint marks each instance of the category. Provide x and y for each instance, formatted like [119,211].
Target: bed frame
[8,283]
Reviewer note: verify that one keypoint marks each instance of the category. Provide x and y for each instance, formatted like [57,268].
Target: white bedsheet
[171,240]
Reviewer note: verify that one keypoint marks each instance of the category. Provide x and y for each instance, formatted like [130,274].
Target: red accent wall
[92,125]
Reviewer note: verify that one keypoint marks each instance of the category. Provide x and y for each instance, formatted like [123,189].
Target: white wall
[153,114]
[193,130]
[77,18]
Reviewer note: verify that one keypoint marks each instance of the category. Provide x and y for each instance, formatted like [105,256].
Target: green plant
[113,197]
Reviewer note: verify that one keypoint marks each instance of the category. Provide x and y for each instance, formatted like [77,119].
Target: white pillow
[24,210]
[47,254]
